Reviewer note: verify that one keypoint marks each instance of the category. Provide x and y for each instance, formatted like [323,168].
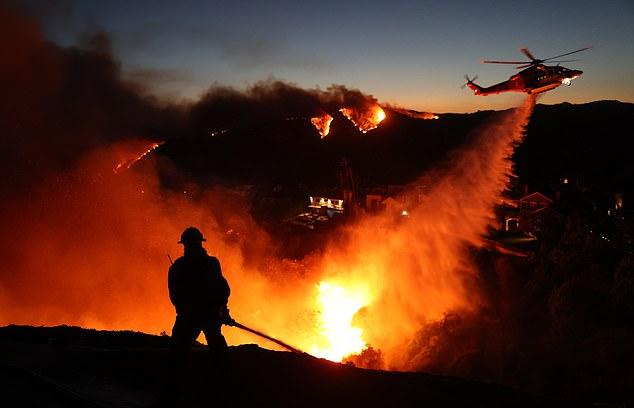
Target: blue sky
[414,53]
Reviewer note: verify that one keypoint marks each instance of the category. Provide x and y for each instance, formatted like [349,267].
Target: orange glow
[337,307]
[364,119]
[101,254]
[322,124]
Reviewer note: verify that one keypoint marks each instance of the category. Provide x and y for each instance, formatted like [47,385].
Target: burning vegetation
[322,124]
[364,119]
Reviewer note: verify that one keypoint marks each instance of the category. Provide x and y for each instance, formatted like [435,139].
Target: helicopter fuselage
[532,80]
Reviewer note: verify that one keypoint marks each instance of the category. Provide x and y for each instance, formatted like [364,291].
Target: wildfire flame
[129,162]
[379,286]
[322,124]
[364,120]
[337,307]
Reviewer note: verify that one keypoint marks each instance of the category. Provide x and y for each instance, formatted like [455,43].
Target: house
[325,204]
[526,214]
[533,202]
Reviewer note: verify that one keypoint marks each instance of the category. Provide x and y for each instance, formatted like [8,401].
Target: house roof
[535,195]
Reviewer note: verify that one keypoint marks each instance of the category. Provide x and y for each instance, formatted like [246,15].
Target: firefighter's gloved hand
[225,317]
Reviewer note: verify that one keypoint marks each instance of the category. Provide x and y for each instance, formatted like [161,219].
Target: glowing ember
[337,308]
[365,120]
[127,163]
[322,124]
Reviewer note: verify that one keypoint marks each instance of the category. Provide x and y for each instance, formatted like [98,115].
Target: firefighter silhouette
[200,294]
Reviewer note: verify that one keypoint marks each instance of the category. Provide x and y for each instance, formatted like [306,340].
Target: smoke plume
[59,103]
[223,107]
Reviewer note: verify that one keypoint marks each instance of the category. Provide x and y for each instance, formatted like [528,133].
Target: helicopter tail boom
[513,84]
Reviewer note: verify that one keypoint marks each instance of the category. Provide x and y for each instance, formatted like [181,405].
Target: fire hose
[233,323]
[272,339]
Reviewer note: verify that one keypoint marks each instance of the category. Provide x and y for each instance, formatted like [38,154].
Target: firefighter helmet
[191,234]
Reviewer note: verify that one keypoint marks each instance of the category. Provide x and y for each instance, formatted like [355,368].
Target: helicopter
[534,79]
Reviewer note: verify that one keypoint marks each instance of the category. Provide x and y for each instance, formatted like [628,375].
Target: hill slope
[587,141]
[70,366]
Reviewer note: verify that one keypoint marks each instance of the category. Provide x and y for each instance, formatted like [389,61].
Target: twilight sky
[411,53]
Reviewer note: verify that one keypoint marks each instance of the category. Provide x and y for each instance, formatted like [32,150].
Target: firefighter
[199,293]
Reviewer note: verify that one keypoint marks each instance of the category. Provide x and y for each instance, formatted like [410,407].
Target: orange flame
[364,119]
[130,161]
[322,124]
[337,307]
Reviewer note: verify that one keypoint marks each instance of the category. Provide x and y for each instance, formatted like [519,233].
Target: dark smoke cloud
[270,100]
[157,78]
[59,103]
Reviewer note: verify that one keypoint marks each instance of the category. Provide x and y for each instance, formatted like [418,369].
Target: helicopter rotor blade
[504,62]
[535,61]
[528,54]
[568,53]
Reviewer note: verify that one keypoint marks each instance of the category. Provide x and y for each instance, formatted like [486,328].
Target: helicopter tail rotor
[477,89]
[469,81]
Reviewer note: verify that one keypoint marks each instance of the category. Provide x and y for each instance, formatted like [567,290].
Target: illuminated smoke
[413,271]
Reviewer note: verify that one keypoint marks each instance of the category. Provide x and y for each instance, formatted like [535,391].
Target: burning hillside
[87,245]
[268,101]
[364,119]
[377,291]
[117,228]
